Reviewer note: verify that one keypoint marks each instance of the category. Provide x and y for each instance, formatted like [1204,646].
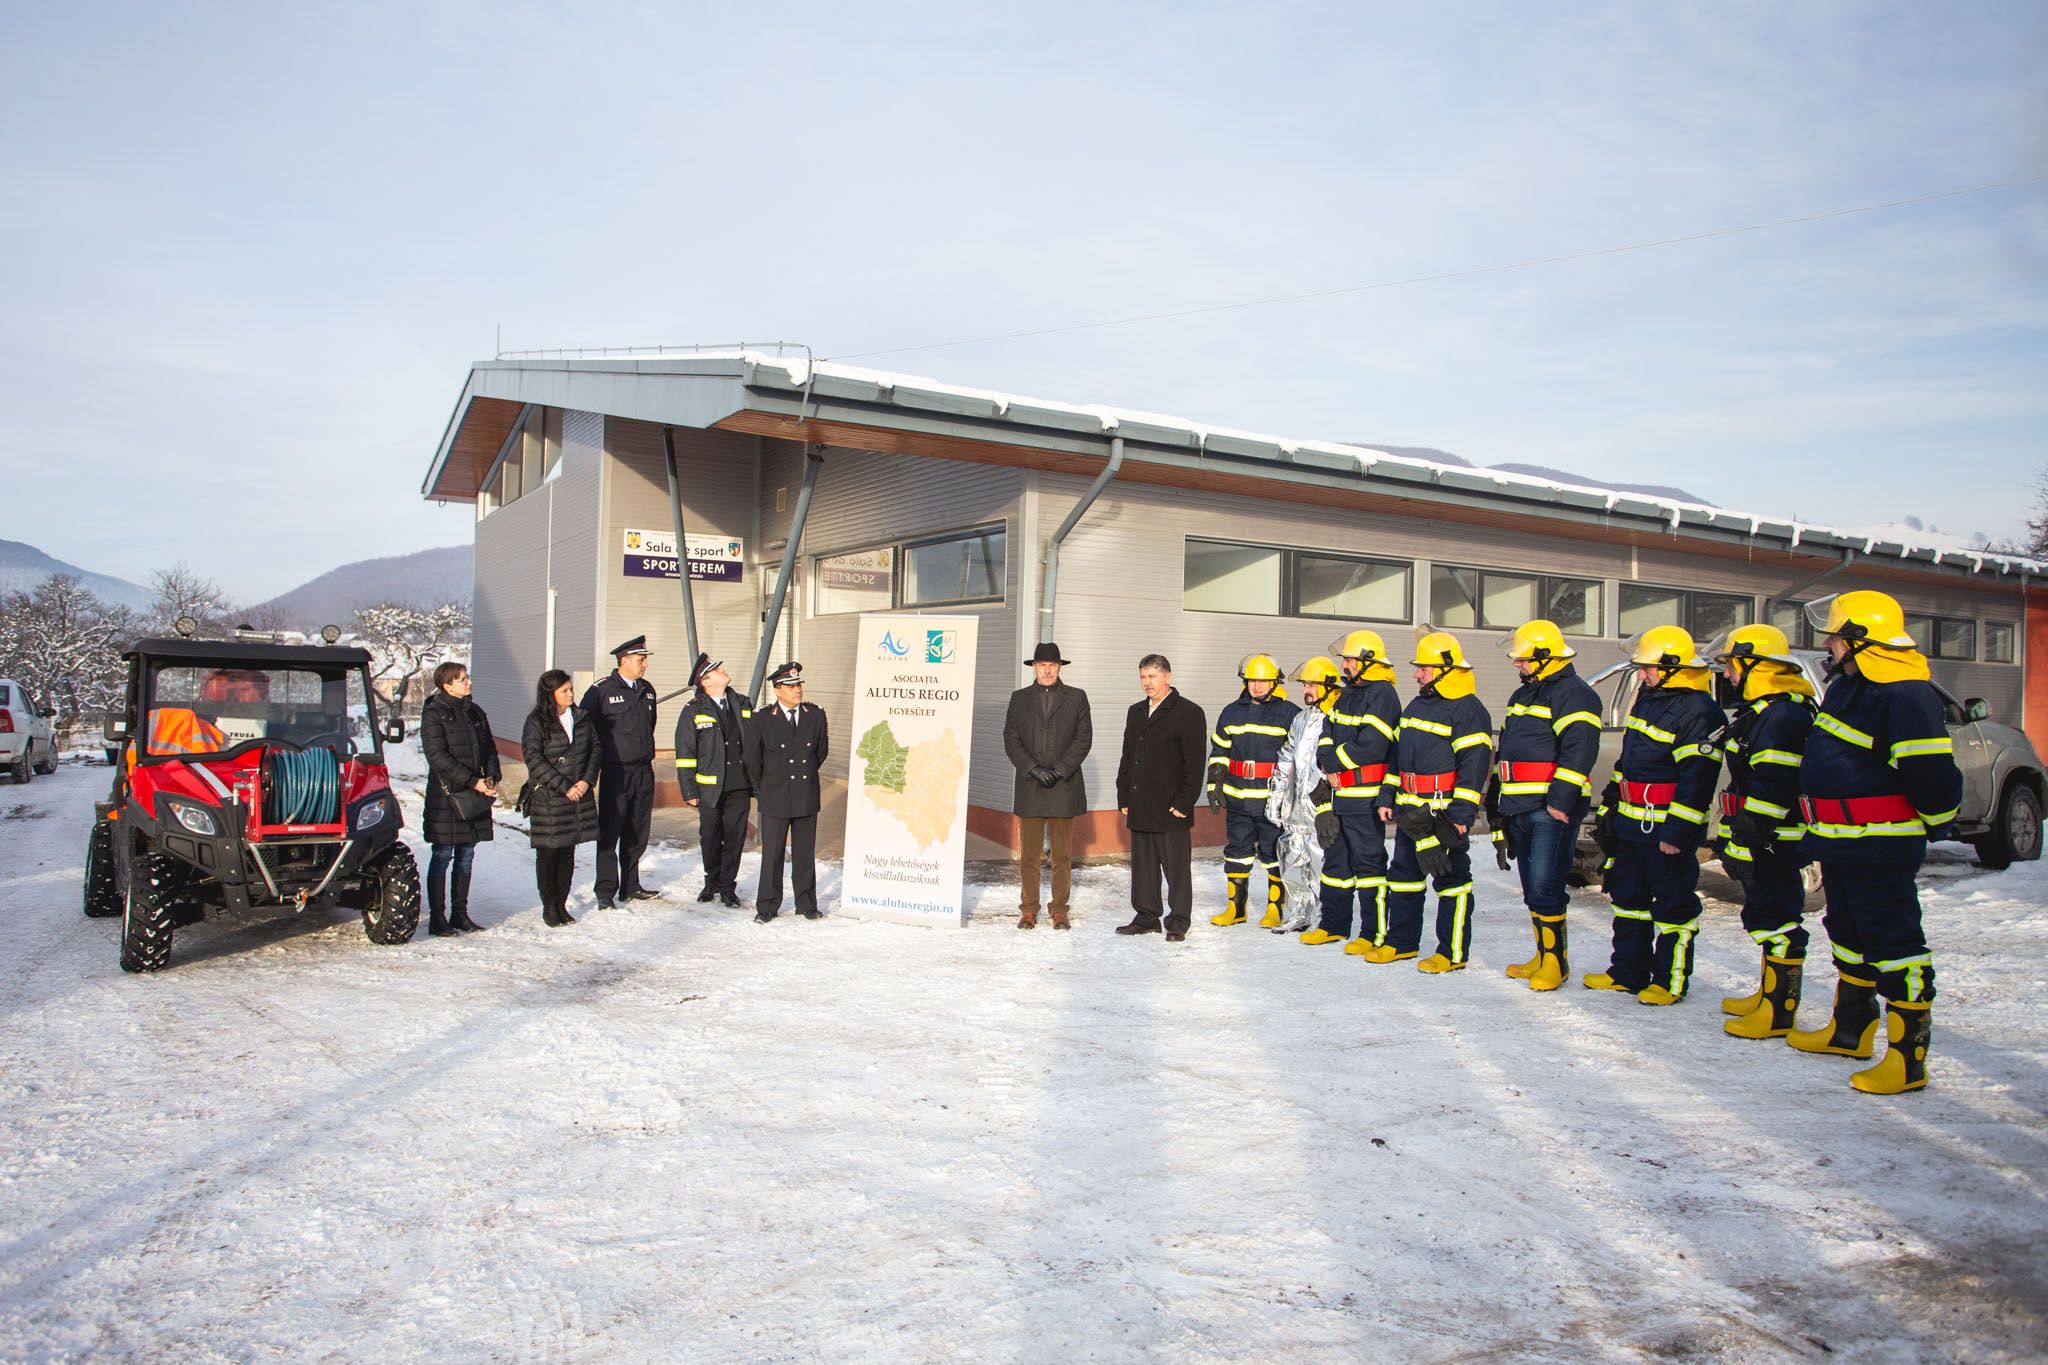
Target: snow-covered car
[28,742]
[2003,791]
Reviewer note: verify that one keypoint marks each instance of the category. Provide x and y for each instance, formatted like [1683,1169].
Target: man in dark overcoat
[1166,749]
[1047,732]
[785,751]
[620,710]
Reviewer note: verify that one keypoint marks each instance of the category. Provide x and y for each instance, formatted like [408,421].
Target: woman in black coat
[462,786]
[561,769]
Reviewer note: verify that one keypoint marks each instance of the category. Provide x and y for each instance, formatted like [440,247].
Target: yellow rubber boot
[1553,966]
[1319,935]
[1903,1067]
[1747,1004]
[1381,953]
[1436,964]
[1780,1008]
[1240,886]
[1601,981]
[1276,903]
[1852,1031]
[1521,971]
[1359,947]
[1656,995]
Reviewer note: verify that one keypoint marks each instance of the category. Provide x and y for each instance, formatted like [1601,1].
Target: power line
[1451,274]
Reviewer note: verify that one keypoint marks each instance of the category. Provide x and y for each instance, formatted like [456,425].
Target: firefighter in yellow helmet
[1242,751]
[1763,832]
[1549,746]
[1656,809]
[1433,796]
[1357,744]
[1879,779]
[1300,804]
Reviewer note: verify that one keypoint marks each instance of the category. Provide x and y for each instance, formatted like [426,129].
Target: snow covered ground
[670,1133]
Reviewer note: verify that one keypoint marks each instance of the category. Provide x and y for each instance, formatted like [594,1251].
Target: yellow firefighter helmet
[1438,649]
[1862,616]
[1663,647]
[1321,670]
[1363,645]
[1260,668]
[1537,642]
[1752,644]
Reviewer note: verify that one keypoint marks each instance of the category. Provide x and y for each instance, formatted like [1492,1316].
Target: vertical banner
[906,798]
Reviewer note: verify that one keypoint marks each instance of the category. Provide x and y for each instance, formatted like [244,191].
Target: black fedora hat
[1047,653]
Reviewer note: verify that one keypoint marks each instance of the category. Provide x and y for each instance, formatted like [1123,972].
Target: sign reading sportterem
[906,799]
[652,554]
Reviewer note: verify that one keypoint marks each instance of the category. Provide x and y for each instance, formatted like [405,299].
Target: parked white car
[28,745]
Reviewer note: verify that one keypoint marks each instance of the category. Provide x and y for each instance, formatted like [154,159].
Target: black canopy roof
[230,653]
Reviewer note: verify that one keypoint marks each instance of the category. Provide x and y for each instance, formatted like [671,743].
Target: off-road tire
[102,891]
[2015,833]
[393,912]
[147,913]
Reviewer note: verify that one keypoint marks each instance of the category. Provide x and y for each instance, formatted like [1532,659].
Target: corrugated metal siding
[576,541]
[716,470]
[509,609]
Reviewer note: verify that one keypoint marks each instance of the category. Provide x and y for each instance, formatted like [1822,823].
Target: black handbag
[469,803]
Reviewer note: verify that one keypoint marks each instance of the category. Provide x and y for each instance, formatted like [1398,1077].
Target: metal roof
[813,399]
[243,653]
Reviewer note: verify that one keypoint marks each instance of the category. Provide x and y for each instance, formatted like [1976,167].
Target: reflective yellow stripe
[1467,794]
[1900,963]
[706,723]
[1376,723]
[1219,741]
[1685,812]
[1516,710]
[707,779]
[1395,886]
[1945,817]
[1620,913]
[1685,751]
[1916,748]
[1848,734]
[1763,807]
[1737,852]
[686,763]
[1430,726]
[1524,788]
[1247,792]
[1346,718]
[1642,726]
[1913,829]
[1578,780]
[1576,718]
[1256,730]
[1469,741]
[1779,756]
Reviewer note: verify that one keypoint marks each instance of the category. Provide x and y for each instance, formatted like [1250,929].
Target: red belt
[1250,769]
[1428,784]
[1649,793]
[1858,810]
[1369,776]
[1731,803]
[1527,772]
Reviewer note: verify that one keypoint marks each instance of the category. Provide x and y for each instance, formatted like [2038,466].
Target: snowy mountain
[24,566]
[425,579]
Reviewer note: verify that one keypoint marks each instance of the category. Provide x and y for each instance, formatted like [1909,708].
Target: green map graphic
[886,759]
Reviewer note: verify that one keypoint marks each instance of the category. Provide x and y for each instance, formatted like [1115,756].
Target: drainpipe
[814,461]
[675,504]
[1052,548]
[1848,558]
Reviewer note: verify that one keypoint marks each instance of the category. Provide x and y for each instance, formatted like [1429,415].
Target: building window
[1943,637]
[1488,599]
[1351,589]
[862,580]
[955,570]
[1998,642]
[1703,614]
[1236,578]
[532,452]
[1790,617]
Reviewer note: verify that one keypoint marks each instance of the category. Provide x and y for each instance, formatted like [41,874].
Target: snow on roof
[1889,539]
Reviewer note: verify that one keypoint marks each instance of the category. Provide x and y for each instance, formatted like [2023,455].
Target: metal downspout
[675,504]
[814,461]
[1785,594]
[1052,547]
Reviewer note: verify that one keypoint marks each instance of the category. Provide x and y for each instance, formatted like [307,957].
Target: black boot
[458,903]
[437,908]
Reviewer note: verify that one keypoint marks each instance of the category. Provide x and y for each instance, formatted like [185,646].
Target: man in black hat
[621,710]
[785,751]
[1047,732]
[711,770]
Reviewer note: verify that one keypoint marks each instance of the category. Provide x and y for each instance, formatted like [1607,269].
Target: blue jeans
[437,869]
[1543,855]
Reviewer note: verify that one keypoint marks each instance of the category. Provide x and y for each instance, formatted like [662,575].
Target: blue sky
[248,252]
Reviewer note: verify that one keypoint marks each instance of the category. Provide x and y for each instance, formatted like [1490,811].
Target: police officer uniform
[785,750]
[1880,779]
[1353,753]
[1660,795]
[1242,752]
[621,715]
[711,770]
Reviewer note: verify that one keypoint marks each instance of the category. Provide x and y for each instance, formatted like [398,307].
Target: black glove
[1328,831]
[1216,795]
[1416,822]
[1603,823]
[1753,832]
[1504,846]
[1449,835]
[1042,775]
[1941,833]
[1434,859]
[1321,794]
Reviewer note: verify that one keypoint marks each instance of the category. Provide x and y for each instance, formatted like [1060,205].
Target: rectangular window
[1350,589]
[864,580]
[1233,578]
[1703,614]
[1955,638]
[550,441]
[1921,628]
[530,454]
[1790,617]
[1998,642]
[955,570]
[1489,599]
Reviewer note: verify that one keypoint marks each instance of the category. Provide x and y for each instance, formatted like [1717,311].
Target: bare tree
[2034,539]
[403,639]
[64,644]
[181,591]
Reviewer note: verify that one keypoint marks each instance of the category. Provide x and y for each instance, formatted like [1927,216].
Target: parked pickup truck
[2003,794]
[28,744]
